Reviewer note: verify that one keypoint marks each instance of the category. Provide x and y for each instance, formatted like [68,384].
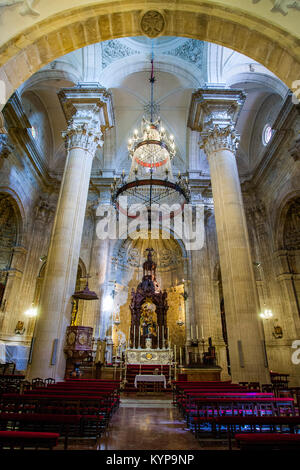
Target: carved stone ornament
[152,23]
[83,135]
[295,150]
[282,6]
[27,6]
[220,139]
[5,147]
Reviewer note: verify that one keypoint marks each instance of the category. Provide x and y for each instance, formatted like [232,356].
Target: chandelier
[150,180]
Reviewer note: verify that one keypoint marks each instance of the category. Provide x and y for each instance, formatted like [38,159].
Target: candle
[139,337]
[197,332]
[175,352]
[180,356]
[134,336]
[163,337]
[202,331]
[191,331]
[158,338]
[129,337]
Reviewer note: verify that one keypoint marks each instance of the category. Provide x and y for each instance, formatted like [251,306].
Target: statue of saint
[147,322]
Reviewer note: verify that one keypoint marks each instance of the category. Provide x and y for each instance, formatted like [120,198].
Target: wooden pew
[23,440]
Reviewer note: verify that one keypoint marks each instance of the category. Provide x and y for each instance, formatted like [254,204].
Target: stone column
[214,113]
[88,112]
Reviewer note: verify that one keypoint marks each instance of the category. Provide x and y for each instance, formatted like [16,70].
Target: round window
[267,134]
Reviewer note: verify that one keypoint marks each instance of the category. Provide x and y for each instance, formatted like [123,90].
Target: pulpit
[78,348]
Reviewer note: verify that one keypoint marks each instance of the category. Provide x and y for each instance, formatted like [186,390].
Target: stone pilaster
[214,114]
[5,147]
[88,111]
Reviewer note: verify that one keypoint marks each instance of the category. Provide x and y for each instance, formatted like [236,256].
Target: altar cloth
[149,378]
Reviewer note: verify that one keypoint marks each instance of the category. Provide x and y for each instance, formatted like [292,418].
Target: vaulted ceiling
[181,66]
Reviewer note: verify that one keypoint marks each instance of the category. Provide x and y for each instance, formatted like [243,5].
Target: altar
[149,356]
[156,379]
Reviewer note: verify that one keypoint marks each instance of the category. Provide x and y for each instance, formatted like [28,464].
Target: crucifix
[87,276]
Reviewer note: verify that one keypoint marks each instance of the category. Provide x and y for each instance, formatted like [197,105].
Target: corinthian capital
[84,134]
[89,112]
[220,139]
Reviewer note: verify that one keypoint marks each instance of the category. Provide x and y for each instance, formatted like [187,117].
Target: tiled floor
[142,423]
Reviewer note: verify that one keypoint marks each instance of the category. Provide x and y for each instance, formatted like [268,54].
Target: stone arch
[19,212]
[81,272]
[55,36]
[282,212]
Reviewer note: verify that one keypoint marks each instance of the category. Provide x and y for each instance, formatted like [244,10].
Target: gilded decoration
[152,23]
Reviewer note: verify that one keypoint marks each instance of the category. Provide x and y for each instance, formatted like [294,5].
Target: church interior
[160,336]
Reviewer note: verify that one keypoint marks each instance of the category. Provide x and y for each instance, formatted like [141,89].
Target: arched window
[267,134]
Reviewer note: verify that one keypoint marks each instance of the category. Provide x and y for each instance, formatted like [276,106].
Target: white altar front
[149,356]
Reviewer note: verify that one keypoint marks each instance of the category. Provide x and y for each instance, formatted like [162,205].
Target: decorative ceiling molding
[189,50]
[114,50]
[282,6]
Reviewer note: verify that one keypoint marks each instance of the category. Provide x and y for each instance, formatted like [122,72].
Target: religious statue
[147,323]
[20,329]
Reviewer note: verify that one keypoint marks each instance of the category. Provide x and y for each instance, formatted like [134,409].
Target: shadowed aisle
[145,424]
